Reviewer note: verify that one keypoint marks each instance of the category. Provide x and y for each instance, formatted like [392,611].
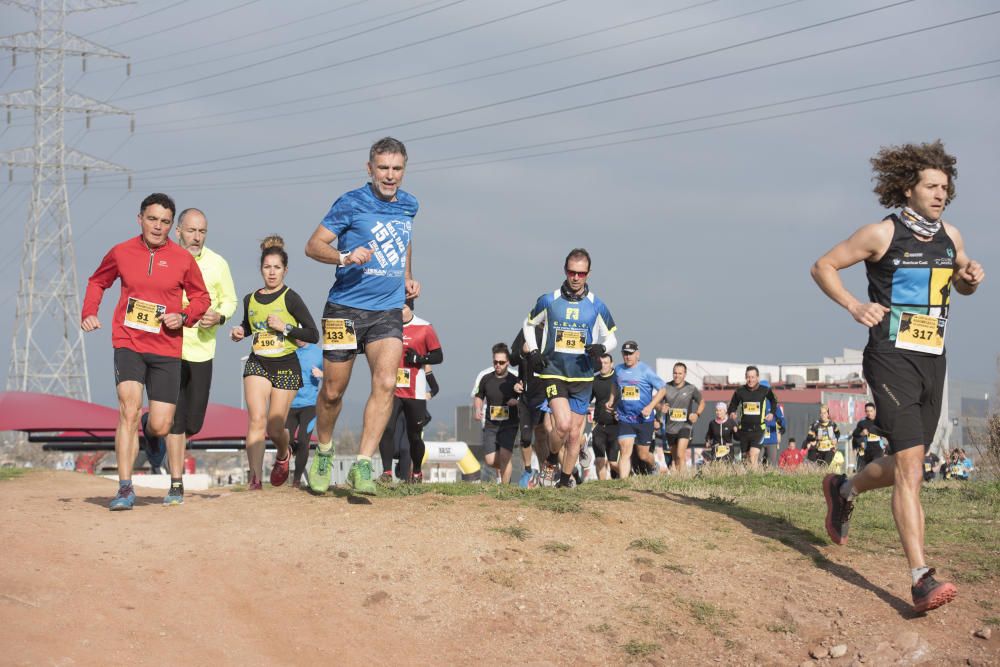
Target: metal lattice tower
[47,351]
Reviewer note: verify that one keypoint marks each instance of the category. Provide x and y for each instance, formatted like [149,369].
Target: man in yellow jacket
[199,345]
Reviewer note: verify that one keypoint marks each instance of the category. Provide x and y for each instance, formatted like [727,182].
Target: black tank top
[913,278]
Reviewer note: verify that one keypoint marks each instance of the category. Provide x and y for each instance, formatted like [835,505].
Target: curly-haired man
[913,260]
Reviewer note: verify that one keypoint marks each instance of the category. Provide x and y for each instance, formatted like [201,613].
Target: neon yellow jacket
[199,343]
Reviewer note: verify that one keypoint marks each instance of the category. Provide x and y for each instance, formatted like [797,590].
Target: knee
[158,426]
[276,429]
[383,383]
[257,424]
[331,393]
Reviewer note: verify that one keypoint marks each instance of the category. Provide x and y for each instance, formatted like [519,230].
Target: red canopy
[33,412]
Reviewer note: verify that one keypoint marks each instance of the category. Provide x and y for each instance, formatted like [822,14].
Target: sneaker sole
[120,508]
[172,503]
[939,597]
[373,491]
[827,493]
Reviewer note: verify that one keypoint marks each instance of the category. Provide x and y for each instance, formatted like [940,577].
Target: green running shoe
[175,496]
[320,470]
[359,478]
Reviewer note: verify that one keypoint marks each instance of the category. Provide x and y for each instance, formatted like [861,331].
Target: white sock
[847,491]
[918,572]
[324,447]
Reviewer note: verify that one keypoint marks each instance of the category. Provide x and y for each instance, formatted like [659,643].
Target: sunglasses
[499,363]
[577,274]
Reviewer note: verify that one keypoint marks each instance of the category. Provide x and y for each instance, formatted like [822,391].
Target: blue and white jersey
[636,387]
[359,218]
[570,326]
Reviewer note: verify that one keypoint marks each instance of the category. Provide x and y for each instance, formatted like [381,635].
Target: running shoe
[175,496]
[385,479]
[568,484]
[125,499]
[279,472]
[416,478]
[838,510]
[359,477]
[320,471]
[550,474]
[525,479]
[534,481]
[255,485]
[930,594]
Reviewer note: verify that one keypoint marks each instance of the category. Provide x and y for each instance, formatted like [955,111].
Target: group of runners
[913,260]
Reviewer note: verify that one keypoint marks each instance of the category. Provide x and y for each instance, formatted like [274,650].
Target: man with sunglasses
[578,329]
[496,400]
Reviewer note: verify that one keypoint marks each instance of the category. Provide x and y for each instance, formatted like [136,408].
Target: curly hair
[273,245]
[897,169]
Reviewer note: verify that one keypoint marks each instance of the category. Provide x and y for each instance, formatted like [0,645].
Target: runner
[913,260]
[302,413]
[371,228]
[640,390]
[155,275]
[865,438]
[199,345]
[578,329]
[683,406]
[534,425]
[604,436]
[421,348]
[720,437]
[276,317]
[747,408]
[792,457]
[496,401]
[822,438]
[770,443]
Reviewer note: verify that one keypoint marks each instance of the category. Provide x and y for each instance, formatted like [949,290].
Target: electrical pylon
[47,350]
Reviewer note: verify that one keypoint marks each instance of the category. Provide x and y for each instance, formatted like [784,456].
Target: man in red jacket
[146,332]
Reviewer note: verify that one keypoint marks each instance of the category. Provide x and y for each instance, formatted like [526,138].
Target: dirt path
[280,577]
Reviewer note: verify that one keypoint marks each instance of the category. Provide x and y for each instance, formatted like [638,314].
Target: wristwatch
[222,320]
[288,329]
[343,258]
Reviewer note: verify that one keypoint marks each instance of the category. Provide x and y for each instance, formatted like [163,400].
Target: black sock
[553,459]
[177,483]
[565,477]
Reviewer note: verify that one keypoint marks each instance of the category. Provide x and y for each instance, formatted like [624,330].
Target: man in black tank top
[913,260]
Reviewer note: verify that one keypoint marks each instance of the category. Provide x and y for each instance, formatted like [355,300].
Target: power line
[288,55]
[446,84]
[135,18]
[569,87]
[160,31]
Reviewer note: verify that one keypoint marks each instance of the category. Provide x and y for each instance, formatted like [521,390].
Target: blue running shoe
[124,500]
[525,479]
[155,448]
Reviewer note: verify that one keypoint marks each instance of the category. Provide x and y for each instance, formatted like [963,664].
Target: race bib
[144,315]
[873,438]
[630,393]
[678,415]
[403,377]
[570,341]
[824,445]
[499,413]
[721,451]
[268,344]
[921,333]
[751,408]
[928,467]
[338,334]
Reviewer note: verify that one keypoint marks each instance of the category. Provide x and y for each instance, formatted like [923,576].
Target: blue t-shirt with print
[359,218]
[310,356]
[636,386]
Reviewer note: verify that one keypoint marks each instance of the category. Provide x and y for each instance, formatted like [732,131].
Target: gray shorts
[495,438]
[368,327]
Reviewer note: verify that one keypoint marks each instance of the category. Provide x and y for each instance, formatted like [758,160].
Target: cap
[630,346]
[720,404]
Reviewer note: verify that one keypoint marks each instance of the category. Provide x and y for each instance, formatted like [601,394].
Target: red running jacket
[153,282]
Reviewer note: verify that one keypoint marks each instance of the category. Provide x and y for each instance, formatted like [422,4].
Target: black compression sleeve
[306,331]
[246,315]
[434,357]
[433,384]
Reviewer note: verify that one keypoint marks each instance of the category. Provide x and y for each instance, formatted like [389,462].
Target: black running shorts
[672,438]
[192,402]
[369,326]
[602,438]
[906,390]
[283,372]
[159,374]
[748,439]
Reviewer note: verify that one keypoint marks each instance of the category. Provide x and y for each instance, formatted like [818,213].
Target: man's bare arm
[969,274]
[869,242]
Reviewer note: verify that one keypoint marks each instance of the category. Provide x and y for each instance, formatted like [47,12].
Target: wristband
[343,258]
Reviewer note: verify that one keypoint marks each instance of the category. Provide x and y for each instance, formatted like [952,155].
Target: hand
[411,358]
[519,387]
[90,323]
[317,372]
[357,256]
[412,288]
[769,417]
[594,351]
[536,361]
[512,402]
[864,432]
[237,334]
[172,320]
[732,415]
[693,417]
[868,314]
[479,415]
[646,411]
[276,323]
[971,274]
[209,319]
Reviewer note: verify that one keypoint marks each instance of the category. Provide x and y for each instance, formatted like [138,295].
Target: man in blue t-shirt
[577,330]
[367,235]
[640,390]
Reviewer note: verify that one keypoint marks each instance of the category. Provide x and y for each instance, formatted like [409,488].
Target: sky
[704,152]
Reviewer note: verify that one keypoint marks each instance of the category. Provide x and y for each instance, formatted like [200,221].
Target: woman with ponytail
[275,317]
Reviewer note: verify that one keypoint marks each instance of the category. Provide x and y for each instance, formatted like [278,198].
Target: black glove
[411,358]
[433,384]
[536,361]
[594,351]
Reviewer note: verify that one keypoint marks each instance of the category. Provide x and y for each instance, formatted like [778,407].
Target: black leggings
[415,418]
[299,433]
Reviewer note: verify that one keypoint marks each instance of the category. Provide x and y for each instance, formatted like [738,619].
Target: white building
[844,370]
